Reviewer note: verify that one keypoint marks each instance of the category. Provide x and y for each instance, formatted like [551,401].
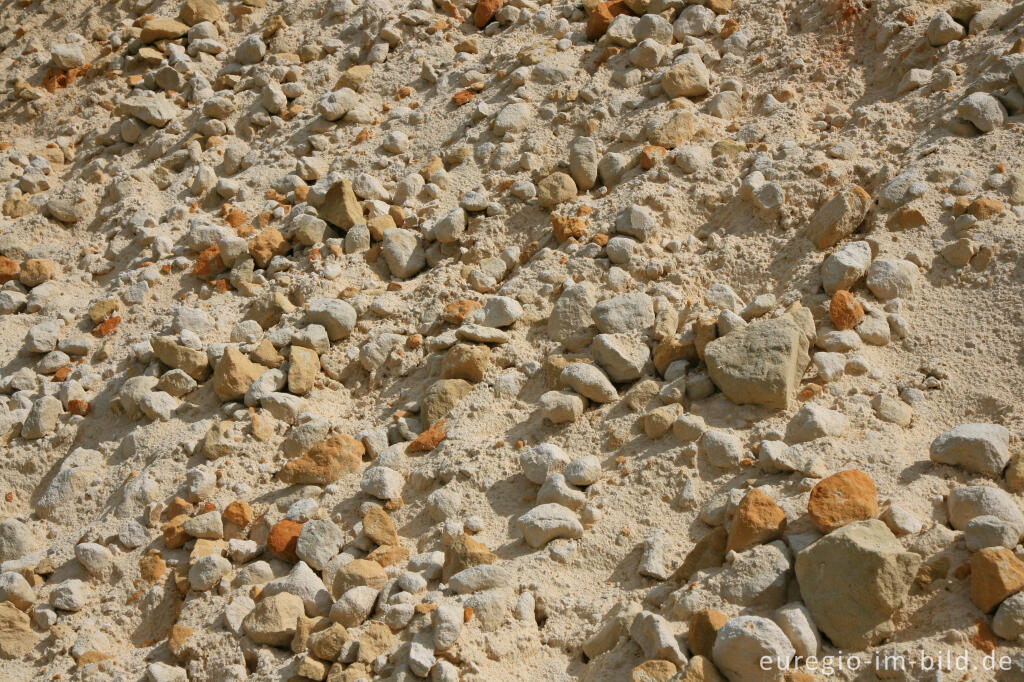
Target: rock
[656,638]
[354,606]
[743,646]
[325,462]
[513,118]
[555,189]
[892,410]
[479,578]
[796,621]
[319,541]
[70,595]
[688,77]
[624,313]
[981,448]
[283,538]
[708,552]
[863,567]
[16,635]
[970,501]
[357,573]
[336,316]
[193,12]
[250,50]
[440,398]
[341,207]
[839,216]
[234,374]
[635,221]
[996,573]
[403,253]
[658,421]
[757,519]
[538,462]
[814,421]
[761,363]
[67,56]
[689,427]
[193,362]
[583,160]
[989,531]
[42,418]
[207,571]
[546,522]
[447,622]
[382,483]
[842,498]
[273,620]
[589,381]
[943,29]
[1008,621]
[845,311]
[498,311]
[699,668]
[267,244]
[571,312]
[162,28]
[303,368]
[704,627]
[723,450]
[983,110]
[155,111]
[679,128]
[845,267]
[889,278]
[16,590]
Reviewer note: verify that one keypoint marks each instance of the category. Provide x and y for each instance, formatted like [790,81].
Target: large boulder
[760,364]
[853,580]
[981,448]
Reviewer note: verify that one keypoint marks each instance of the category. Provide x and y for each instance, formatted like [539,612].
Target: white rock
[743,641]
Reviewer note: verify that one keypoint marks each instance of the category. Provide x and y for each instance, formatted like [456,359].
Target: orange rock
[601,19]
[568,226]
[758,519]
[209,263]
[906,217]
[651,155]
[177,507]
[282,539]
[389,555]
[35,271]
[996,573]
[462,96]
[174,532]
[266,245]
[358,573]
[325,462]
[239,513]
[983,207]
[429,439]
[152,566]
[9,270]
[79,407]
[457,311]
[176,639]
[463,553]
[704,626]
[107,326]
[485,11]
[466,361]
[845,311]
[656,670]
[841,499]
[960,206]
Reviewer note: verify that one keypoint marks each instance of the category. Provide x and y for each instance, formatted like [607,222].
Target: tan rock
[341,207]
[379,527]
[758,519]
[162,28]
[103,309]
[375,640]
[325,462]
[358,573]
[355,77]
[839,216]
[273,620]
[466,361]
[463,553]
[457,311]
[700,669]
[235,374]
[555,189]
[841,499]
[192,362]
[267,244]
[326,644]
[194,11]
[441,397]
[654,671]
[265,354]
[239,513]
[677,129]
[704,626]
[35,271]
[709,552]
[996,573]
[984,207]
[16,635]
[303,369]
[568,227]
[1015,473]
[219,440]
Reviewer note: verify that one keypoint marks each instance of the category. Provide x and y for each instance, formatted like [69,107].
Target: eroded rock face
[854,580]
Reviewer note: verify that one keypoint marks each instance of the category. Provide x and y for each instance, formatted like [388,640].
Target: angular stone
[744,644]
[761,363]
[325,462]
[996,573]
[341,207]
[757,519]
[688,77]
[853,581]
[546,522]
[193,362]
[273,620]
